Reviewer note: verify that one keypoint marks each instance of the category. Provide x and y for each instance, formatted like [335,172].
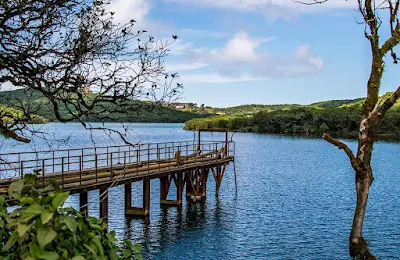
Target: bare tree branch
[342,146]
[389,102]
[84,65]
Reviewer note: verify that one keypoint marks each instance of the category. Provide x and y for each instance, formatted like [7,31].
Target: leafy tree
[71,53]
[373,109]
[41,228]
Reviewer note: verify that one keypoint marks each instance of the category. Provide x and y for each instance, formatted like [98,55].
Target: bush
[40,228]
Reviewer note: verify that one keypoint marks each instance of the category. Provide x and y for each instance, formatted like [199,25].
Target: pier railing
[95,159]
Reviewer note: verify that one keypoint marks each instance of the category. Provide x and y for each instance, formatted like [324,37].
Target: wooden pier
[176,164]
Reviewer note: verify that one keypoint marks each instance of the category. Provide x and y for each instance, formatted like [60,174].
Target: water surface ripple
[295,200]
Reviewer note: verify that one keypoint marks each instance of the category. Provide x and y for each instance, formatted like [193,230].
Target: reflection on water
[295,200]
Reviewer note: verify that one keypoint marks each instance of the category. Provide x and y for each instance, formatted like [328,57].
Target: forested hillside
[340,117]
[145,112]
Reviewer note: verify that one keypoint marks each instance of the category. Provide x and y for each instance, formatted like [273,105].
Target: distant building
[184,105]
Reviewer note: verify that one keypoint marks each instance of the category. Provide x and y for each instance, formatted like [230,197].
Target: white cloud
[198,33]
[272,9]
[126,10]
[240,48]
[177,67]
[7,86]
[242,55]
[216,78]
[248,4]
[180,47]
[131,9]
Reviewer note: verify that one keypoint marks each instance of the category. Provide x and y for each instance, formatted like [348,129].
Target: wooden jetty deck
[175,164]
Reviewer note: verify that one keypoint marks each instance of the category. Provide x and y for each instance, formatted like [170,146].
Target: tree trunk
[368,130]
[358,246]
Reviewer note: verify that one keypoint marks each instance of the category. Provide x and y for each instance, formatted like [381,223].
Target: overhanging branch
[389,102]
[342,146]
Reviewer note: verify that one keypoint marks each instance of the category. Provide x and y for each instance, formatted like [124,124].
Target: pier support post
[104,204]
[134,211]
[164,186]
[128,196]
[179,188]
[165,183]
[146,197]
[189,184]
[218,174]
[196,183]
[204,177]
[83,203]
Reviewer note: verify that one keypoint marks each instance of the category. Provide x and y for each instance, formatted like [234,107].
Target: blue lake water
[295,199]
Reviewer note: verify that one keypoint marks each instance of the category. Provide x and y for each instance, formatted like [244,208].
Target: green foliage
[40,228]
[146,112]
[342,120]
[10,115]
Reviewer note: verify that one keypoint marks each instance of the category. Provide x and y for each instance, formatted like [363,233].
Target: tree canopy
[68,50]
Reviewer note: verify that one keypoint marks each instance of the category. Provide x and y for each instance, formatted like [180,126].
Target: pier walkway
[175,164]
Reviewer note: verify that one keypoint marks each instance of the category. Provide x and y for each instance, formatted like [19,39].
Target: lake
[295,199]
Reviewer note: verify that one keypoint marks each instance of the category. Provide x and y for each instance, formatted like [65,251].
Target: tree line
[339,121]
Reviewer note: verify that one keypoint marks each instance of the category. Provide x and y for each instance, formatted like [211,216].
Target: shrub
[41,228]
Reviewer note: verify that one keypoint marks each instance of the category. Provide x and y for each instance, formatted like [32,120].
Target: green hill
[145,112]
[339,117]
[338,103]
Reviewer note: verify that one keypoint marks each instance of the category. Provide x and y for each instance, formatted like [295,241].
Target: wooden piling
[144,211]
[146,197]
[83,203]
[165,184]
[104,204]
[128,196]
[189,184]
[179,188]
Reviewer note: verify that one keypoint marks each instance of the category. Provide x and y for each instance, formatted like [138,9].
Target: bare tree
[374,109]
[83,64]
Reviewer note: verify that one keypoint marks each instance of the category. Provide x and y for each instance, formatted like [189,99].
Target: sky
[233,52]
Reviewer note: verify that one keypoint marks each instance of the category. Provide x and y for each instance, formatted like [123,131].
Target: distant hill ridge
[146,112]
[339,117]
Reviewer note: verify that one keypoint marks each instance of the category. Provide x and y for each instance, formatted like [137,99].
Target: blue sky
[232,52]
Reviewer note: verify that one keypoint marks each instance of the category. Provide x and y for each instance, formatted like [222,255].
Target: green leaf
[96,227]
[98,244]
[46,216]
[59,199]
[23,228]
[138,257]
[70,222]
[137,248]
[2,200]
[11,241]
[15,189]
[65,254]
[45,236]
[126,254]
[31,212]
[90,249]
[78,257]
[128,243]
[55,185]
[11,222]
[30,179]
[48,255]
[27,200]
[34,249]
